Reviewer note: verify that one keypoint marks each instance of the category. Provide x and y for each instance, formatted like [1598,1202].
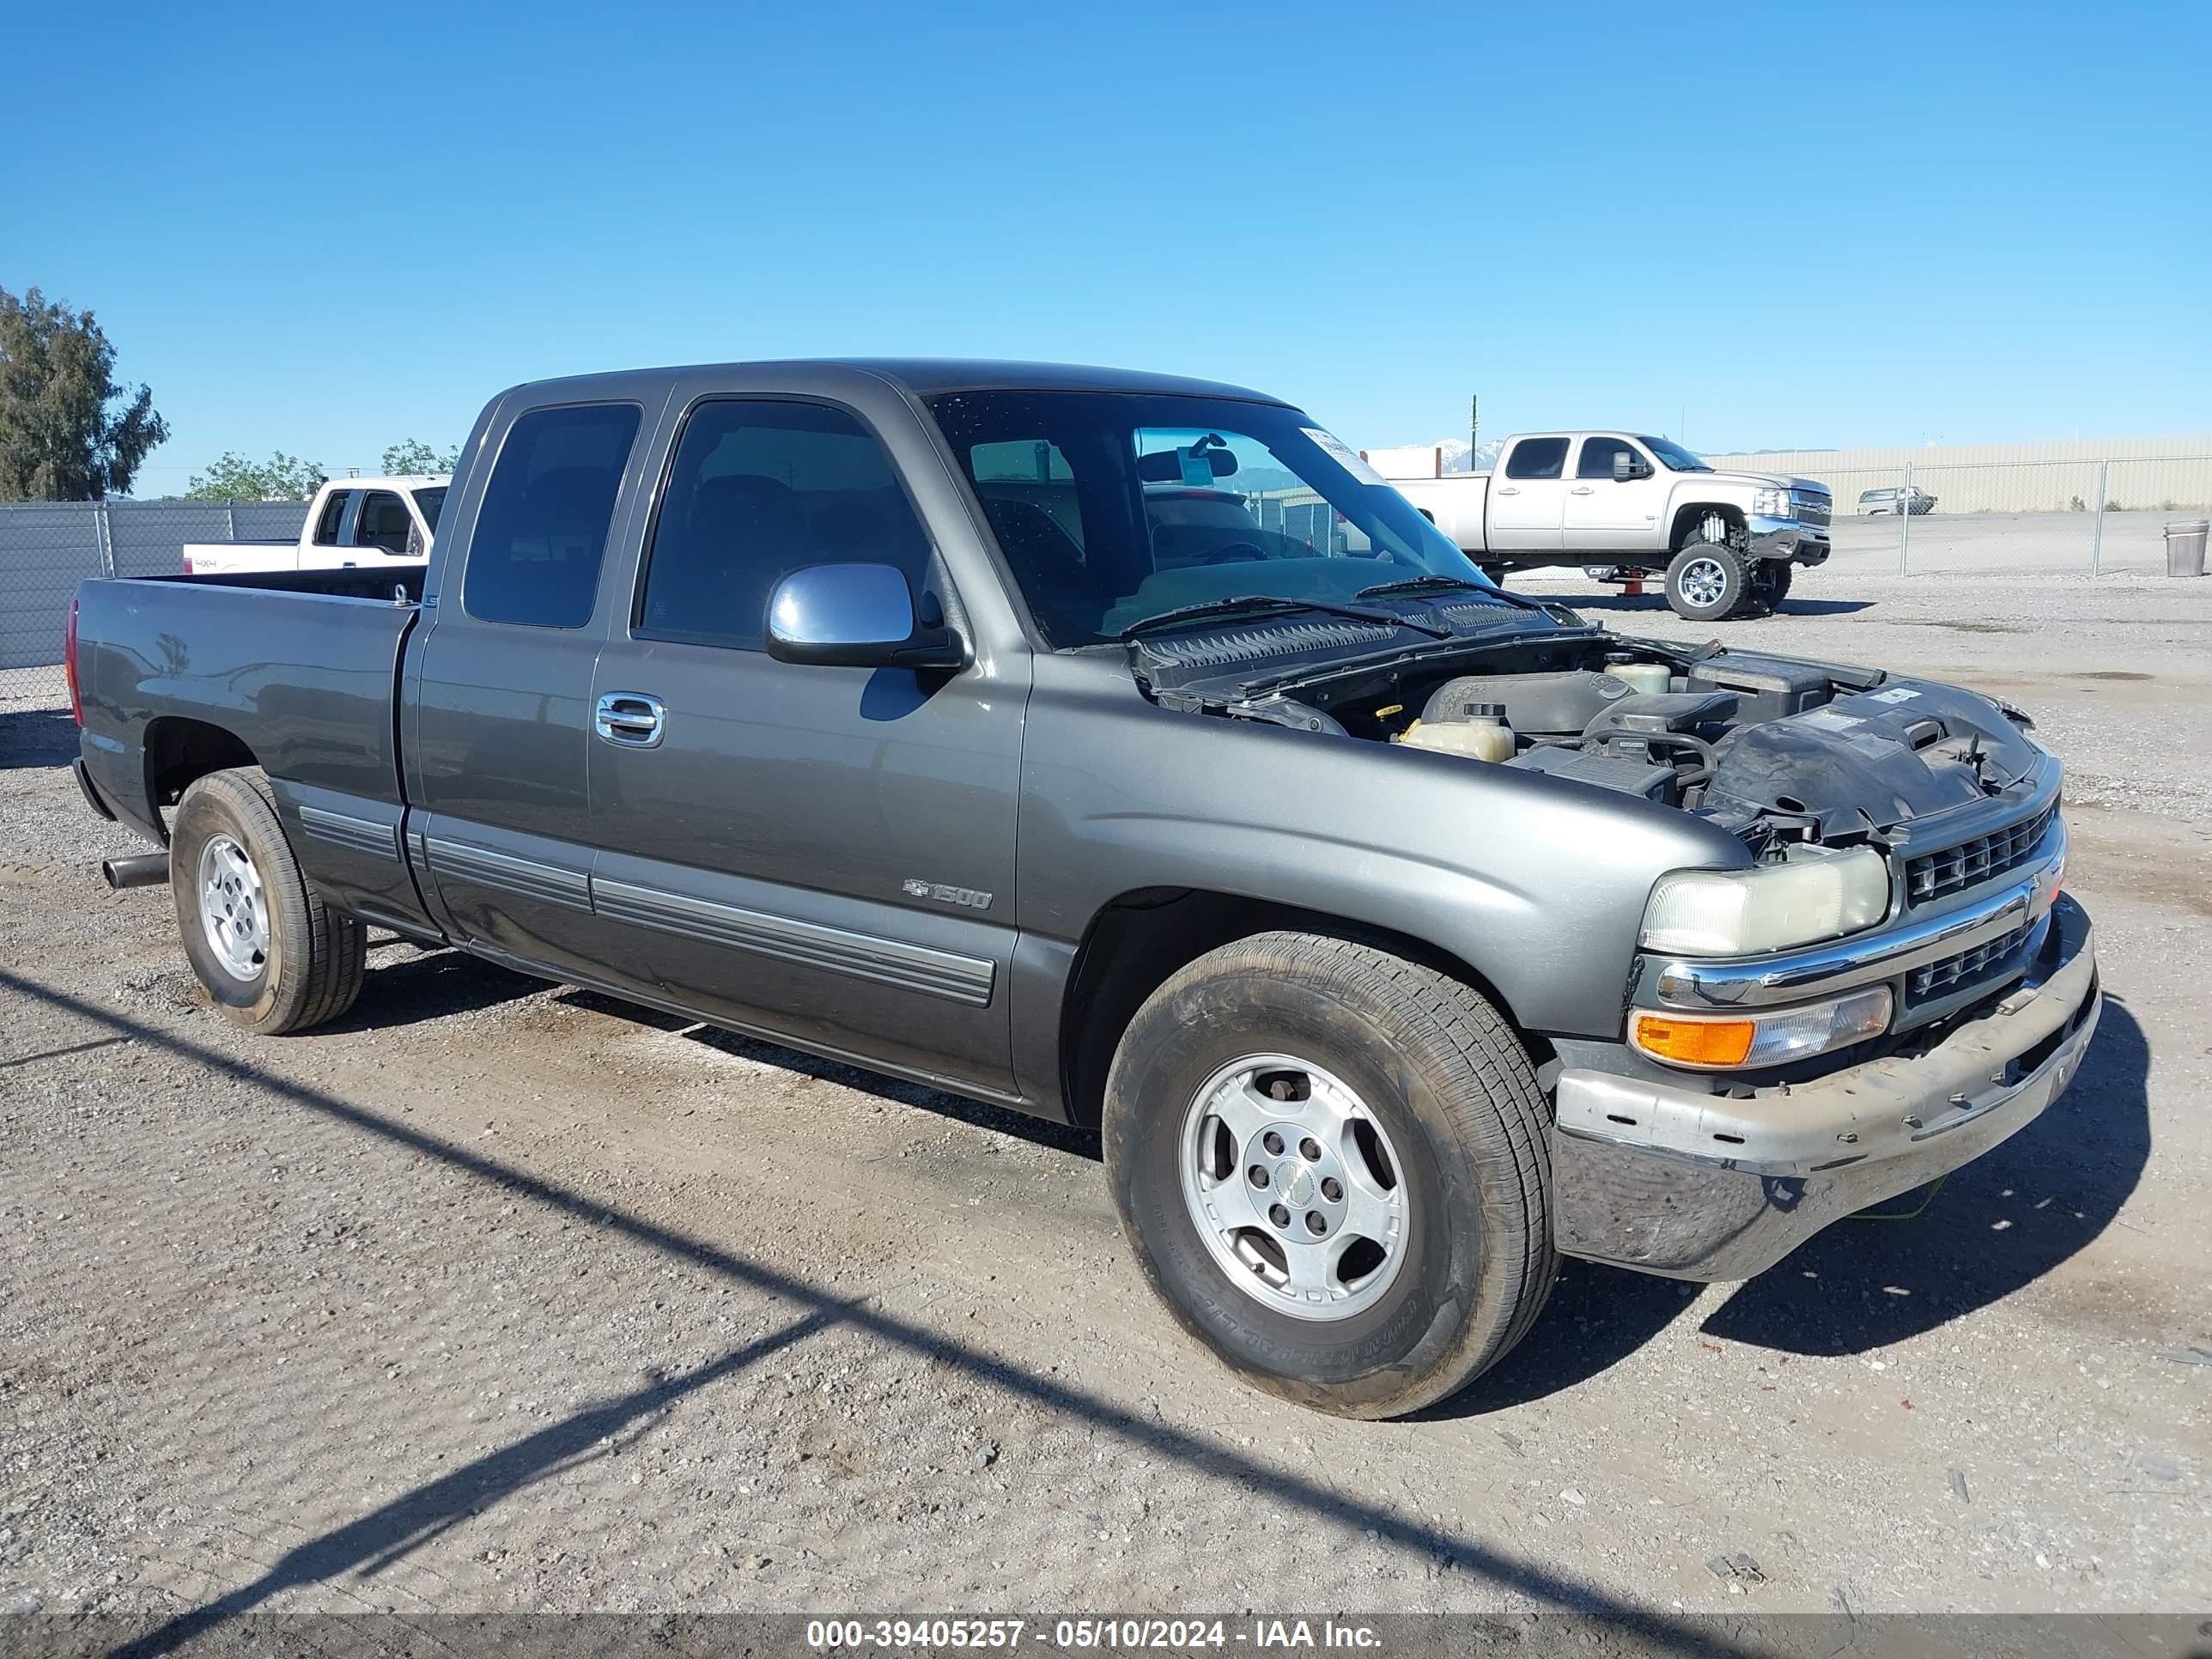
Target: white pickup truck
[351,521]
[1626,506]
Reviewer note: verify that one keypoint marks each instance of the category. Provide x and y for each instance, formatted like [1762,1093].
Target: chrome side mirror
[856,615]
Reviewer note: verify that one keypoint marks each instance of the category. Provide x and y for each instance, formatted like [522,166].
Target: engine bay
[1776,749]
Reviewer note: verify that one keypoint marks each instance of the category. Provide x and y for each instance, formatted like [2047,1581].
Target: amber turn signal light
[1695,1042]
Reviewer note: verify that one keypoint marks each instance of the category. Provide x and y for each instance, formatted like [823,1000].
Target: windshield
[433,503]
[1673,455]
[1112,507]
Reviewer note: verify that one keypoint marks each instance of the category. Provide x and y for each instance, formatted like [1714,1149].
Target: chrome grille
[1811,506]
[1931,875]
[1969,968]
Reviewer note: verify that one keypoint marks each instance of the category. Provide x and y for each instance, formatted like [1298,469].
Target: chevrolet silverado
[1120,749]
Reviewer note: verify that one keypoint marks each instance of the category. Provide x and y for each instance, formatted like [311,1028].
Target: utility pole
[1473,427]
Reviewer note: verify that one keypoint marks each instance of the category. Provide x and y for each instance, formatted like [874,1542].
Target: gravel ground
[497,1296]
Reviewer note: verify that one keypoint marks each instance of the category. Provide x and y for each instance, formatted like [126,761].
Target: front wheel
[1331,1165]
[274,956]
[1708,580]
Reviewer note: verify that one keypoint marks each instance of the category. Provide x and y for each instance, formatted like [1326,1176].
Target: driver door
[1605,514]
[822,854]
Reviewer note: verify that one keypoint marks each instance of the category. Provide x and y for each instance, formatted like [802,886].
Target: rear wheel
[1331,1162]
[275,957]
[1708,580]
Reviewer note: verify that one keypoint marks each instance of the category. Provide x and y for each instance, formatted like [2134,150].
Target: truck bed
[294,671]
[350,582]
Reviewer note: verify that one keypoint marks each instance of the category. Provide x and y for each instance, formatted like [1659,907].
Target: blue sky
[1779,225]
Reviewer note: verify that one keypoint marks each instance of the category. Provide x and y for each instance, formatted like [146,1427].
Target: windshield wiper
[1433,583]
[1265,604]
[1417,585]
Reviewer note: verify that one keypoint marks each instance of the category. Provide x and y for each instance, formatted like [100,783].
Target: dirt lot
[497,1296]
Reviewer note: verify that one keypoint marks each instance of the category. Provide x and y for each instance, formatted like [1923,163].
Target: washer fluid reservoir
[1651,678]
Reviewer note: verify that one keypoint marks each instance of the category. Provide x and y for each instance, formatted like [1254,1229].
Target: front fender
[1536,883]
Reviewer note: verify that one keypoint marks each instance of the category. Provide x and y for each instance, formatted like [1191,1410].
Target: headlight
[1771,503]
[1724,1042]
[1812,894]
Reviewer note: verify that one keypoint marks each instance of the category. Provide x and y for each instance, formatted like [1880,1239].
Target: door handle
[631,719]
[1583,490]
[1510,490]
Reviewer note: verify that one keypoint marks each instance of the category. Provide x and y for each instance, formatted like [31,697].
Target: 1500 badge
[933,889]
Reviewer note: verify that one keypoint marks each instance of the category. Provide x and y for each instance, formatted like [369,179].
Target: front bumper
[1700,1186]
[1789,539]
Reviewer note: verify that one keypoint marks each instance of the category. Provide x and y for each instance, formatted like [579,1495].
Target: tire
[281,959]
[1770,583]
[1452,1108]
[1708,580]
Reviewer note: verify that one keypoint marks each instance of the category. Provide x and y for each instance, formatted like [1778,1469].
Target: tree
[412,456]
[61,437]
[282,477]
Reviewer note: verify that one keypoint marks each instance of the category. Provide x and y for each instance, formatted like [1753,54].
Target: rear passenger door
[820,854]
[1528,497]
[501,695]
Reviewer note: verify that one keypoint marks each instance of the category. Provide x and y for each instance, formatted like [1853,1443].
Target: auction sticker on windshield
[1344,456]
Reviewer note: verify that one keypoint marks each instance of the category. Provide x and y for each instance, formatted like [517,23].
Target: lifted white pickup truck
[351,521]
[1627,506]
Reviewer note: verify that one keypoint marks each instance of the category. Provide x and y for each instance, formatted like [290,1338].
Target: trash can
[2184,547]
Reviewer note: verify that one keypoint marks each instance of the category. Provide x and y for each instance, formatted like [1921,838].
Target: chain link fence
[2057,517]
[47,548]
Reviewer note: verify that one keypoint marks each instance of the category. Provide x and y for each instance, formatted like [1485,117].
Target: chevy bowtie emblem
[967,896]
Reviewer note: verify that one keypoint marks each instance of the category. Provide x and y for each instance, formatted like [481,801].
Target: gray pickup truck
[1120,749]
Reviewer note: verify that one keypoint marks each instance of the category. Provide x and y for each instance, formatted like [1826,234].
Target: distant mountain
[1459,458]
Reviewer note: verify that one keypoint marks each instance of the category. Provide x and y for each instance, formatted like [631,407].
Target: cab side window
[534,555]
[760,489]
[1537,458]
[383,523]
[1597,457]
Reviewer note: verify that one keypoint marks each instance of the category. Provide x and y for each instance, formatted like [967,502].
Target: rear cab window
[541,534]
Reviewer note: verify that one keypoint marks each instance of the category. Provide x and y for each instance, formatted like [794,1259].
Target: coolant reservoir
[1483,737]
[1647,677]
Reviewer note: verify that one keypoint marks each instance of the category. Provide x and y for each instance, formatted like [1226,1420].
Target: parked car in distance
[1121,750]
[378,522]
[1727,542]
[1894,500]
